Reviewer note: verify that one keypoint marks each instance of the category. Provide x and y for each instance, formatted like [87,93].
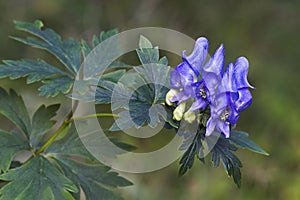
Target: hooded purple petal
[227,83]
[241,67]
[182,76]
[216,63]
[244,100]
[198,56]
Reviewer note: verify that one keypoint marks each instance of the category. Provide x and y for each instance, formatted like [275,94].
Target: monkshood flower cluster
[225,92]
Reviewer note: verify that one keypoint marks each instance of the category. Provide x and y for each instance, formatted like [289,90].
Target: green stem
[53,137]
[66,123]
[92,116]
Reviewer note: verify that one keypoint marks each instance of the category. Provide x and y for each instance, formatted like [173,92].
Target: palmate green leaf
[37,179]
[143,93]
[241,139]
[12,106]
[10,145]
[94,179]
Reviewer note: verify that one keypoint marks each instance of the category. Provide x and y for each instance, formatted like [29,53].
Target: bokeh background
[266,32]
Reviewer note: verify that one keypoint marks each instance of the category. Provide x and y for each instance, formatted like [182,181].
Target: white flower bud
[178,112]
[169,95]
[189,116]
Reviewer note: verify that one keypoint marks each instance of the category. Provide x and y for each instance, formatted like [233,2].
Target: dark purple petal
[241,67]
[197,58]
[244,100]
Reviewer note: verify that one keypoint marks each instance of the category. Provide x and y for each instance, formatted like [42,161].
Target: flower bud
[189,116]
[169,95]
[178,112]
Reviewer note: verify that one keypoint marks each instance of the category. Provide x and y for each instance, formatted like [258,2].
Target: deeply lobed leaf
[38,179]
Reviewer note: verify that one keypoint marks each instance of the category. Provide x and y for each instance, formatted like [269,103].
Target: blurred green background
[266,32]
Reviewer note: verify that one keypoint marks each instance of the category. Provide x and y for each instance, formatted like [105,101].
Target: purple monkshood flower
[185,77]
[187,72]
[211,73]
[226,94]
[232,97]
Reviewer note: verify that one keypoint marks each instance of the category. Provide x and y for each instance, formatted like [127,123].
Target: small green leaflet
[142,94]
[38,179]
[10,145]
[41,123]
[240,138]
[12,107]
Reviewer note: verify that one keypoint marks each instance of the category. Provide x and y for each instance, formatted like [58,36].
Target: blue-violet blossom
[226,93]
